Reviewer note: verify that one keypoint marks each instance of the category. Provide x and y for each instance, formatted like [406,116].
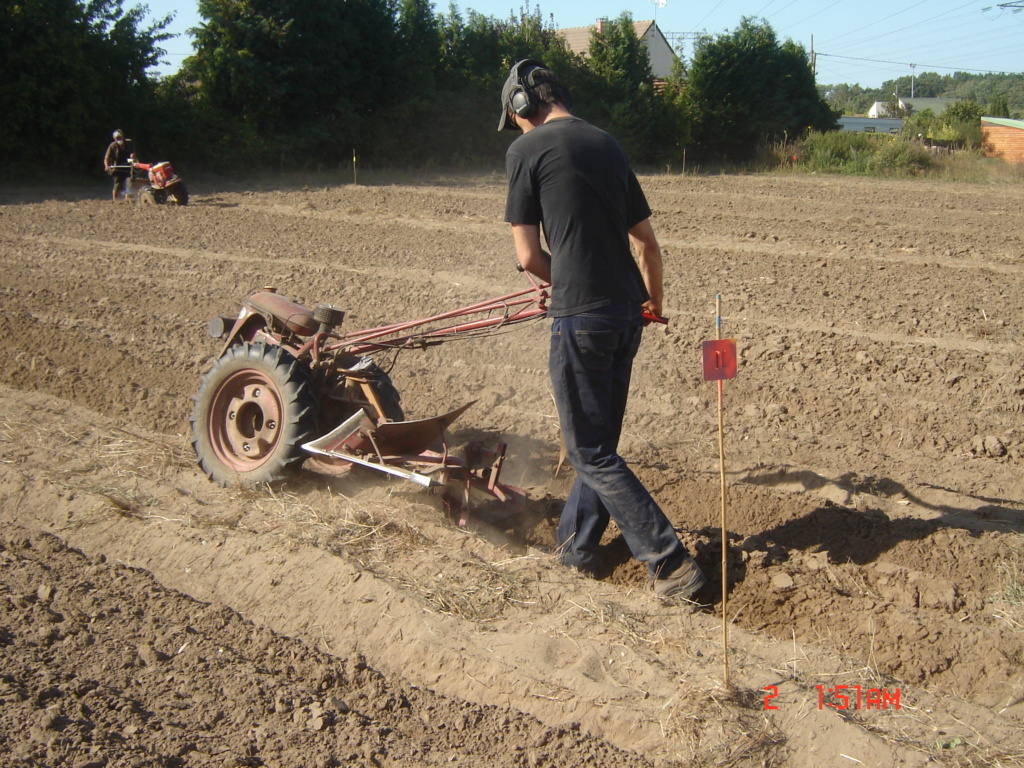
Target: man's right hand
[650,316]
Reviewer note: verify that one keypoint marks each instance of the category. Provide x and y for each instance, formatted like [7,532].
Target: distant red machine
[164,184]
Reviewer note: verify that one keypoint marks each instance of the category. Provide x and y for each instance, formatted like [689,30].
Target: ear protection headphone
[522,100]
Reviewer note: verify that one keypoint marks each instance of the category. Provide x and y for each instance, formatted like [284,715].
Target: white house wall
[659,52]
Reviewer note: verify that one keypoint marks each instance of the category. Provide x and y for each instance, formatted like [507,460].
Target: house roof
[860,120]
[935,105]
[1005,122]
[578,38]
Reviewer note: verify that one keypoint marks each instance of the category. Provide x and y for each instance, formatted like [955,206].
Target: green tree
[73,71]
[238,64]
[962,122]
[959,123]
[981,89]
[616,90]
[846,99]
[747,89]
[470,57]
[477,53]
[619,58]
[962,112]
[923,123]
[394,125]
[419,44]
[998,107]
[928,85]
[676,131]
[294,78]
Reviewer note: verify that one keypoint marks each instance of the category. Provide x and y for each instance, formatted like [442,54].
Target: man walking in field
[574,180]
[115,162]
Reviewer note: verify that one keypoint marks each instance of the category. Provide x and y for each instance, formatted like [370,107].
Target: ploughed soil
[873,473]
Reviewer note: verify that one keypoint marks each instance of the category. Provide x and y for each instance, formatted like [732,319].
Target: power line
[880,21]
[917,24]
[706,16]
[944,29]
[910,64]
[816,13]
[765,8]
[967,51]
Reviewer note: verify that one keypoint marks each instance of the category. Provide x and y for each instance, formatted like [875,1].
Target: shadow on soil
[992,513]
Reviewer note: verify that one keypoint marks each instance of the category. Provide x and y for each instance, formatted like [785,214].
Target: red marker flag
[719,359]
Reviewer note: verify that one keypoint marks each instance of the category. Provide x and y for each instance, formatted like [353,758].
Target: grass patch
[862,154]
[883,155]
[1012,570]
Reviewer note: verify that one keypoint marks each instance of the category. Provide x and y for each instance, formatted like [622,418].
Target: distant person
[574,180]
[115,162]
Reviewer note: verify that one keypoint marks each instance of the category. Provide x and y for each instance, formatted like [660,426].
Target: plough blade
[401,448]
[351,434]
[386,445]
[405,438]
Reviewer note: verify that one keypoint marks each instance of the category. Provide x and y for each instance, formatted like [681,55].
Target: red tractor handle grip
[649,317]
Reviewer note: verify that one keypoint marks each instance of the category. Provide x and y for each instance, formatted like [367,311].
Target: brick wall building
[1003,138]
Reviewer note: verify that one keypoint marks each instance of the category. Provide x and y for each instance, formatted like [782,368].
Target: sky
[862,42]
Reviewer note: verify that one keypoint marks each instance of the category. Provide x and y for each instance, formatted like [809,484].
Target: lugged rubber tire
[147,197]
[253,411]
[178,193]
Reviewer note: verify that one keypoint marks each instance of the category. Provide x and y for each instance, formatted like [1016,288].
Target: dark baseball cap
[527,73]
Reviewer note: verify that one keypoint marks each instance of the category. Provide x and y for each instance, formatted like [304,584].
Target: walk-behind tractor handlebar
[289,388]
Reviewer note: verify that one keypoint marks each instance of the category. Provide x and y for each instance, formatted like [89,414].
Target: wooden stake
[725,540]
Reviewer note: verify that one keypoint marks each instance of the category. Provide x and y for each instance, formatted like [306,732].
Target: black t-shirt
[119,154]
[574,180]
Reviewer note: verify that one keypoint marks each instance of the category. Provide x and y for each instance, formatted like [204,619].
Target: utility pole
[912,80]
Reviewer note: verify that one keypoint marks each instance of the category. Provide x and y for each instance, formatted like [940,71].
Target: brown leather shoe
[685,581]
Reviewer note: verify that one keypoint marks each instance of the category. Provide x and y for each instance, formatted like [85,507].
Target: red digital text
[851,697]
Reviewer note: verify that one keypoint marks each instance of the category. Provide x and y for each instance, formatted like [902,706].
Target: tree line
[997,95]
[302,84]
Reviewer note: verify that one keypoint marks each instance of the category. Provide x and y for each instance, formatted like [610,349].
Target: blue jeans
[591,362]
